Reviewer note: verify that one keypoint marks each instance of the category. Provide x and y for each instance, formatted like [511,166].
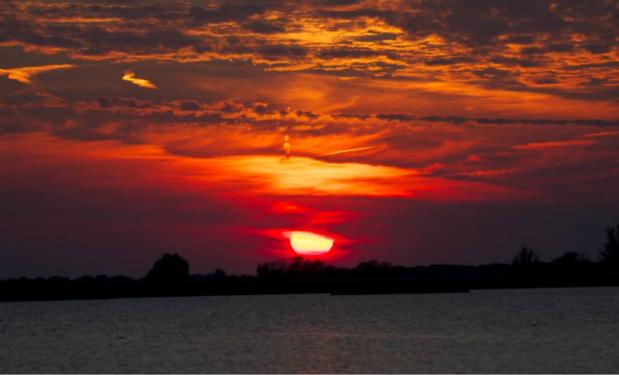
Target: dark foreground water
[543,330]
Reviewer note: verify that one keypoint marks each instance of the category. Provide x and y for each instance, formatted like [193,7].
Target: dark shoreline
[274,293]
[304,277]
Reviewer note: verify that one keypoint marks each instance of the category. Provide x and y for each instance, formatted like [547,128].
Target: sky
[414,132]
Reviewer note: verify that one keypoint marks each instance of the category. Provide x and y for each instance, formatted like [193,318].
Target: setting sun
[308,243]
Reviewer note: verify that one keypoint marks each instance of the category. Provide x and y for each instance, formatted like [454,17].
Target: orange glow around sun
[308,243]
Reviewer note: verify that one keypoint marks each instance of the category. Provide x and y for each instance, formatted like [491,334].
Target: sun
[308,243]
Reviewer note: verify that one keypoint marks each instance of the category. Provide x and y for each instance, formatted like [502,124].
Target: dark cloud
[560,47]
[234,10]
[598,47]
[104,103]
[475,33]
[282,50]
[307,114]
[519,121]
[527,62]
[374,36]
[546,79]
[336,53]
[263,27]
[520,39]
[608,64]
[448,60]
[190,106]
[477,23]
[493,73]
[395,117]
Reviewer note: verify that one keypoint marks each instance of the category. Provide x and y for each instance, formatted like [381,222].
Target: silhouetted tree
[271,269]
[219,273]
[570,259]
[170,267]
[525,257]
[610,254]
[301,265]
[373,267]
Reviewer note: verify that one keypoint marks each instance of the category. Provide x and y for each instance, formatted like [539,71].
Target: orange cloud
[302,175]
[241,175]
[554,144]
[368,39]
[130,77]
[25,74]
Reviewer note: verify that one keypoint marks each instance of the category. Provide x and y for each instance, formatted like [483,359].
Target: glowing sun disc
[308,243]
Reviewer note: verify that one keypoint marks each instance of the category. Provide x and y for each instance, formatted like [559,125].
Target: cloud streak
[349,150]
[129,76]
[26,73]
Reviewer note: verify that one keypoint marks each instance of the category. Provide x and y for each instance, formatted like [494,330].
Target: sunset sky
[413,132]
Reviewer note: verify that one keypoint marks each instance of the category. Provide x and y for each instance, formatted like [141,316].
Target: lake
[537,330]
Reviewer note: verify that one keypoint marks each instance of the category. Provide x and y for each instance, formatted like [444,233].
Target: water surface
[540,330]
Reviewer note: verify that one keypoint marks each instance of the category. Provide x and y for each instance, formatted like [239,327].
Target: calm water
[544,330]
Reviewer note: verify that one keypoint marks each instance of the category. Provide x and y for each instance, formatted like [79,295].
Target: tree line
[170,276]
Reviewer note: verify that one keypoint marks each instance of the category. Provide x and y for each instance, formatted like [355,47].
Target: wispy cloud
[349,150]
[130,77]
[553,144]
[25,74]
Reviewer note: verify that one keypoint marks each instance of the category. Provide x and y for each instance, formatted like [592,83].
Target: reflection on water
[544,330]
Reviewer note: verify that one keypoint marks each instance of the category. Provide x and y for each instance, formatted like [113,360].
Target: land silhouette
[170,276]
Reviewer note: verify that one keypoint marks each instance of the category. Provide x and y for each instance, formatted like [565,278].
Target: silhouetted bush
[373,267]
[525,257]
[570,259]
[169,268]
[271,269]
[301,265]
[219,274]
[609,256]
